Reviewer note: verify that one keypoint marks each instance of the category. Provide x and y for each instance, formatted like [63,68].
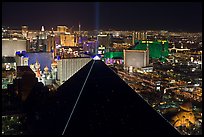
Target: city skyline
[114,81]
[174,16]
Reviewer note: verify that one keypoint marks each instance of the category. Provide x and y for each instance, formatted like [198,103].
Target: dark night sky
[177,16]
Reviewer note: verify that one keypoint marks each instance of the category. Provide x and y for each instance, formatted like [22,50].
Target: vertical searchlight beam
[97,22]
[97,16]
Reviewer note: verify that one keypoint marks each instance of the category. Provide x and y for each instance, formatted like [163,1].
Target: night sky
[177,16]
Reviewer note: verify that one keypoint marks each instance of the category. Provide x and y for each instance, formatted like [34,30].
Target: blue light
[58,57]
[96,57]
[23,51]
[18,52]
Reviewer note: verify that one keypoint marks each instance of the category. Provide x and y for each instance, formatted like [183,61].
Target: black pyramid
[107,106]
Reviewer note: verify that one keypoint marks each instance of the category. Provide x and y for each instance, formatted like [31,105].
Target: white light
[99,52]
[42,29]
[67,33]
[58,46]
[102,35]
[196,84]
[164,91]
[96,58]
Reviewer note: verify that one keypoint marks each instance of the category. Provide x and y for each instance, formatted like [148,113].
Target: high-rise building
[104,40]
[104,43]
[68,67]
[24,30]
[51,44]
[136,58]
[42,40]
[11,45]
[62,29]
[140,36]
[65,37]
[67,40]
[157,49]
[90,47]
[78,38]
[133,38]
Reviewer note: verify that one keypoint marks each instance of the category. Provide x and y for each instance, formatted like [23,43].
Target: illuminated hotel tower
[133,38]
[25,31]
[51,47]
[42,40]
[79,39]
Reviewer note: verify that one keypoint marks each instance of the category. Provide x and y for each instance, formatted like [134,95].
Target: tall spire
[147,41]
[79,27]
[42,29]
[52,32]
[79,41]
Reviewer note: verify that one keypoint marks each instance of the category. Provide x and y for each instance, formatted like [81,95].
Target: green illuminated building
[157,49]
[113,55]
